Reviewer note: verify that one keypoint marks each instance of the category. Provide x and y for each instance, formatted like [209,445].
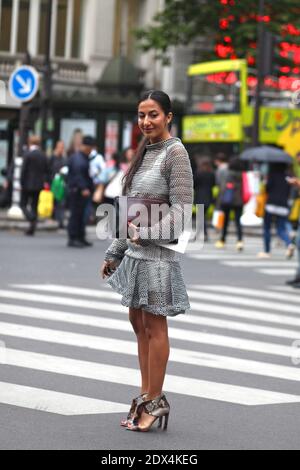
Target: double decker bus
[220,109]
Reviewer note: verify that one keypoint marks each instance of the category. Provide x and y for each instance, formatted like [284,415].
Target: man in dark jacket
[33,178]
[80,189]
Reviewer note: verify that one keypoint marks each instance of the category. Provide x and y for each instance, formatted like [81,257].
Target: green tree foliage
[231,24]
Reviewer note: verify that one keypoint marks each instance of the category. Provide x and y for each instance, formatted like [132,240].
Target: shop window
[43,26]
[61,27]
[76,31]
[23,25]
[5,26]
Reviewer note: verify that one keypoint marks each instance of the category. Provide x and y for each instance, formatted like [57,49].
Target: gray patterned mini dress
[149,275]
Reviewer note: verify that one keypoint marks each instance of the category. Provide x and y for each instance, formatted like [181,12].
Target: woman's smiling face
[153,121]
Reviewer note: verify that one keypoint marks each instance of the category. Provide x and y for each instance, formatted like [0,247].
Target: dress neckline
[161,144]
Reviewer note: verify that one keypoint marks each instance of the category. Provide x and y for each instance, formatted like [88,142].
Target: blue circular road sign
[24,83]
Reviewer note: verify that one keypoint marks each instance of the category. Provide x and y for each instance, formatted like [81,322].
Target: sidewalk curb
[13,224]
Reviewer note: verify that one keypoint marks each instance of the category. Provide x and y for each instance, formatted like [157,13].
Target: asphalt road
[68,357]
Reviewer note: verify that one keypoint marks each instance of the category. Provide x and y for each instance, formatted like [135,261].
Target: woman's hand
[293,181]
[134,233]
[107,268]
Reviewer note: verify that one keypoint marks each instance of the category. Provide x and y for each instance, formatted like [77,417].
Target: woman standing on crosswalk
[143,269]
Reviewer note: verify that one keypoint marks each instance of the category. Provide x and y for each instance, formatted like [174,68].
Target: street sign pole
[23,86]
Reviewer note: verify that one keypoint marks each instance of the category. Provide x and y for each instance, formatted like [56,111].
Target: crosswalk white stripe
[198,307]
[287,289]
[70,290]
[127,376]
[199,359]
[49,299]
[193,294]
[104,322]
[202,294]
[259,264]
[221,257]
[278,272]
[244,313]
[250,292]
[94,342]
[55,402]
[102,293]
[177,355]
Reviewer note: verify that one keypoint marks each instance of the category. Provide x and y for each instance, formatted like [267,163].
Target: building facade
[87,38]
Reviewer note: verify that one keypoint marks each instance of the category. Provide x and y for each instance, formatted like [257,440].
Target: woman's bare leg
[156,327]
[136,319]
[157,331]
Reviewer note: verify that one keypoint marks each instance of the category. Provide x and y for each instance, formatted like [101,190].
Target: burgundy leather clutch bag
[130,208]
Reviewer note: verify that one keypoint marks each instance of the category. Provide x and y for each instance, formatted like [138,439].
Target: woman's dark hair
[165,103]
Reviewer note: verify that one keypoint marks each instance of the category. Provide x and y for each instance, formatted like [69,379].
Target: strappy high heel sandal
[159,408]
[132,412]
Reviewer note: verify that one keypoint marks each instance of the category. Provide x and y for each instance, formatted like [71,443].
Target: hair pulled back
[165,103]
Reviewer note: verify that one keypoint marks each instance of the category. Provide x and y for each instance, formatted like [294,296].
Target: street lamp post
[47,87]
[260,73]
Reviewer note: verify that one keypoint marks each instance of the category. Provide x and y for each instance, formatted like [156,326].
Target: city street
[69,364]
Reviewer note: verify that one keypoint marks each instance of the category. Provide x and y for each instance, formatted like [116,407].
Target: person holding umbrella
[296,281]
[278,190]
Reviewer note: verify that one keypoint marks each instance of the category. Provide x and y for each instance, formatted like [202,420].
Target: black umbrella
[266,154]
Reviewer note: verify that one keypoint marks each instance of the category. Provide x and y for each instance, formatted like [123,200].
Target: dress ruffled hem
[156,287]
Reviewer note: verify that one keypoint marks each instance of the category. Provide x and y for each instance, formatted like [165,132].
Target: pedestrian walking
[114,187]
[277,210]
[6,195]
[97,168]
[142,268]
[128,156]
[204,182]
[221,162]
[34,176]
[296,281]
[231,200]
[58,161]
[75,143]
[80,189]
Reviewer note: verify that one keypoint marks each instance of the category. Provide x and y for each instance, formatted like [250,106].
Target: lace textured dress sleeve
[177,169]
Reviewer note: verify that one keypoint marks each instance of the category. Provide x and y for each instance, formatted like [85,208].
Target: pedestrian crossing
[234,331]
[276,266]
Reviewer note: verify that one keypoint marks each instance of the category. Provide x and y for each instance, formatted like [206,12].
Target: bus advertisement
[220,109]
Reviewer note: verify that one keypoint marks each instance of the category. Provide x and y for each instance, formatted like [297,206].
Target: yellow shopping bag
[295,211]
[261,200]
[45,204]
